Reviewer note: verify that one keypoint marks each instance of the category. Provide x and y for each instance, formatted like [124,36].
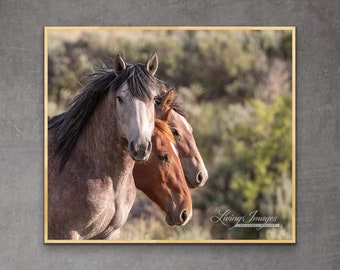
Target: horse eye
[120,100]
[164,158]
[175,132]
[156,100]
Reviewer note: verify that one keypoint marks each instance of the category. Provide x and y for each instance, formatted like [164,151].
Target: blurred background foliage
[236,88]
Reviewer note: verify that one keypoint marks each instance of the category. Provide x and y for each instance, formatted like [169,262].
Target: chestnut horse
[162,178]
[195,171]
[92,148]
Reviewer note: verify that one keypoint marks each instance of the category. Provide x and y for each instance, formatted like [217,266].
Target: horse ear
[118,63]
[168,99]
[168,104]
[152,64]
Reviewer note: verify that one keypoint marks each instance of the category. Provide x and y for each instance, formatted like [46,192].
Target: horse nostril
[133,148]
[199,178]
[184,215]
[149,147]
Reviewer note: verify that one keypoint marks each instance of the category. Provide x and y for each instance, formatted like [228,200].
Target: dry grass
[147,222]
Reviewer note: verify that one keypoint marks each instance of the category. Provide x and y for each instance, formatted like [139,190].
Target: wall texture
[21,134]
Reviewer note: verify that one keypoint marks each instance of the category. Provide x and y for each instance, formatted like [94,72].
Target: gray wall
[21,134]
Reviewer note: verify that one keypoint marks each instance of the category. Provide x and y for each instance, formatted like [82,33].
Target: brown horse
[162,178]
[91,152]
[194,169]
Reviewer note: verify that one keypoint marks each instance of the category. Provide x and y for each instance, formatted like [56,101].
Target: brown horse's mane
[164,128]
[69,125]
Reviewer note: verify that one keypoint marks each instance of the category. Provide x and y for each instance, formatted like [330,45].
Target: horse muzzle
[140,152]
[179,219]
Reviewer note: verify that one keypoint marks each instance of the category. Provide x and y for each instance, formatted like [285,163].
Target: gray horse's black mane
[69,125]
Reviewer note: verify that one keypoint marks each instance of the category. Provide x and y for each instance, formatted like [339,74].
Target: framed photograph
[169,135]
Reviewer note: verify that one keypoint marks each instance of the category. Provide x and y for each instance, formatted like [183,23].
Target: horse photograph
[169,135]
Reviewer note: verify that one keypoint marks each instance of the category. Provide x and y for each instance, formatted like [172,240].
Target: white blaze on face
[186,123]
[135,118]
[174,148]
[143,121]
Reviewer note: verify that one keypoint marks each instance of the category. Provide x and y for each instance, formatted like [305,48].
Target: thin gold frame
[228,241]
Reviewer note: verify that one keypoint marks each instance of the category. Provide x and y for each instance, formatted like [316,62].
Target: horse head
[193,165]
[135,104]
[162,178]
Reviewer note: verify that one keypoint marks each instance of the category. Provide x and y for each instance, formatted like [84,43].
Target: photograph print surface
[170,135]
